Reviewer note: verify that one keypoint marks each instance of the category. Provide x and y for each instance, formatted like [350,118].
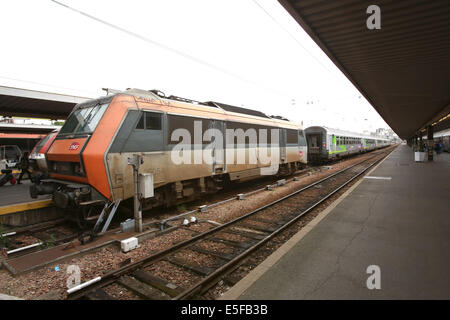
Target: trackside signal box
[146,185]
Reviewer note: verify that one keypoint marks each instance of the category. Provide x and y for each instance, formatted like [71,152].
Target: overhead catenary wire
[170,49]
[207,64]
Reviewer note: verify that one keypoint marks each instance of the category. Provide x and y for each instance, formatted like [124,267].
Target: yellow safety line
[14,172]
[25,206]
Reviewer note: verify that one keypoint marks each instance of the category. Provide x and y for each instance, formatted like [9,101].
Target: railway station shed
[19,102]
[388,236]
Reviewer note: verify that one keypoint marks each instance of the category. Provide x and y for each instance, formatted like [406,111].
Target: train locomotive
[325,144]
[88,160]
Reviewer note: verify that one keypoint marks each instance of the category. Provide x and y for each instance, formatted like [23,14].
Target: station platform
[17,208]
[397,219]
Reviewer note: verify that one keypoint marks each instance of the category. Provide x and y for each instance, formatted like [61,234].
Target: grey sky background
[269,62]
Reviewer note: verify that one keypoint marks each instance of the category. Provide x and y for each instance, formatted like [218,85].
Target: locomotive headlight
[55,167]
[37,156]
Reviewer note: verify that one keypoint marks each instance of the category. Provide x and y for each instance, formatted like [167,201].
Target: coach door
[282,145]
[218,152]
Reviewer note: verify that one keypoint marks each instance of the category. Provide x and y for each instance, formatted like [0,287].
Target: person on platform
[439,146]
[24,166]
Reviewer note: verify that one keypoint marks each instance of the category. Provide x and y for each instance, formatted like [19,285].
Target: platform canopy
[26,128]
[36,104]
[402,69]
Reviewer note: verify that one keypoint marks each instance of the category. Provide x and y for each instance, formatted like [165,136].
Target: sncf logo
[301,153]
[74,146]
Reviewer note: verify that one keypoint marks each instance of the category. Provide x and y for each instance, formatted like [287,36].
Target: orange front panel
[93,155]
[69,178]
[66,150]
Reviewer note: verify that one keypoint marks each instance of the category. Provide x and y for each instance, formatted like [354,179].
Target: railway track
[233,241]
[25,240]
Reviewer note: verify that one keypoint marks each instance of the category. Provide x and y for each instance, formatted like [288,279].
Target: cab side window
[301,138]
[149,121]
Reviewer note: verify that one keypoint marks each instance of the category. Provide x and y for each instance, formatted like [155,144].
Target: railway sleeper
[251,226]
[200,270]
[280,223]
[99,294]
[247,234]
[223,256]
[241,245]
[161,284]
[194,232]
[142,289]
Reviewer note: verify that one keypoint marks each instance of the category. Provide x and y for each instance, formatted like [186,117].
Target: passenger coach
[326,144]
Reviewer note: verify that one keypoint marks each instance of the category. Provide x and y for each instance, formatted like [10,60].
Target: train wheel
[80,220]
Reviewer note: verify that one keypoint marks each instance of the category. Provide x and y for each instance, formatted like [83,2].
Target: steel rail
[111,276]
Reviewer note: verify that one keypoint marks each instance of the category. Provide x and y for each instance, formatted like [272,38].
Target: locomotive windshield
[84,120]
[41,143]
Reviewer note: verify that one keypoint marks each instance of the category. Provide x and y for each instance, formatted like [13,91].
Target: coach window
[141,123]
[291,136]
[152,121]
[301,138]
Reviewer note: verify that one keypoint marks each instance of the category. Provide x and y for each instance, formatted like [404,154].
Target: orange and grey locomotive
[185,146]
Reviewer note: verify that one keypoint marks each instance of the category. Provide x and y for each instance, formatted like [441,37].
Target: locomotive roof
[211,105]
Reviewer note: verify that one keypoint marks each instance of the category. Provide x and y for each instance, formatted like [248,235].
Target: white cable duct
[24,248]
[83,285]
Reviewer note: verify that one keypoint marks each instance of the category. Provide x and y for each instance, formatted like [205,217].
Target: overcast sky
[249,58]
